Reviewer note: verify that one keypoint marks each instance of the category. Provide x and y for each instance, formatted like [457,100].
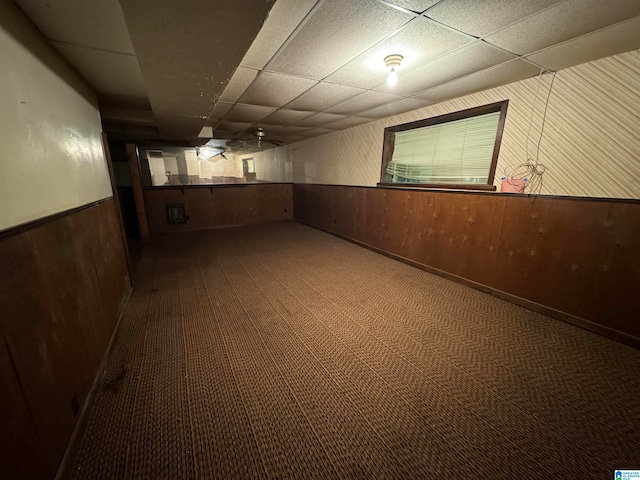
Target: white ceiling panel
[562,22]
[248,113]
[282,21]
[286,117]
[420,41]
[274,131]
[275,90]
[234,126]
[364,101]
[241,79]
[418,6]
[218,112]
[295,129]
[472,58]
[224,134]
[481,18]
[314,56]
[316,132]
[188,51]
[335,33]
[107,72]
[323,96]
[618,38]
[347,123]
[93,24]
[492,77]
[284,134]
[395,108]
[319,119]
[292,139]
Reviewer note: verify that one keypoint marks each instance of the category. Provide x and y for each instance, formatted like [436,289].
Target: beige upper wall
[273,165]
[218,166]
[590,145]
[50,131]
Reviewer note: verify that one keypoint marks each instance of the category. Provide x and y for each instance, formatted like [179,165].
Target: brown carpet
[280,351]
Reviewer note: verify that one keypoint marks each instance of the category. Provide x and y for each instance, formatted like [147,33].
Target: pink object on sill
[513,185]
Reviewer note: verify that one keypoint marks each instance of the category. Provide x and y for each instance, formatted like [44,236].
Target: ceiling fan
[260,135]
[245,142]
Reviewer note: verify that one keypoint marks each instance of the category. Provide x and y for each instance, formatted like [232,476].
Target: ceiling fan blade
[272,142]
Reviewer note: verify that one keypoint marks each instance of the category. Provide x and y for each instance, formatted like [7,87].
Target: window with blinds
[459,149]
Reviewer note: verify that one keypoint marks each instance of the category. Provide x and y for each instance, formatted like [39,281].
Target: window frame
[390,136]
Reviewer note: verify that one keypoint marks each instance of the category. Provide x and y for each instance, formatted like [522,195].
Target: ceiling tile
[239,82]
[395,108]
[492,77]
[336,32]
[316,132]
[188,50]
[364,101]
[274,89]
[287,140]
[224,134]
[323,96]
[107,72]
[181,126]
[473,57]
[319,119]
[91,24]
[618,38]
[281,134]
[414,5]
[562,22]
[481,18]
[347,123]
[273,131]
[295,129]
[218,112]
[234,127]
[420,41]
[286,117]
[248,113]
[283,18]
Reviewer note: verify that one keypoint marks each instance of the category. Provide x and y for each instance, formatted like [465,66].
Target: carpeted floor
[280,351]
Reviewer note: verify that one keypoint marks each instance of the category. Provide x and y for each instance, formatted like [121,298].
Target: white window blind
[455,152]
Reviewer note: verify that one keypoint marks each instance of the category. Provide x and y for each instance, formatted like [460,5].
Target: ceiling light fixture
[393,63]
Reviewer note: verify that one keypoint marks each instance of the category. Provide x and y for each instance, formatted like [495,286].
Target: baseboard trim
[602,330]
[66,464]
[154,234]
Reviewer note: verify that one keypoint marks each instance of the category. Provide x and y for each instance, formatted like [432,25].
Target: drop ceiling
[302,68]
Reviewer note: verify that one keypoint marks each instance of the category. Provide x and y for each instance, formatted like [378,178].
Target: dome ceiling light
[393,63]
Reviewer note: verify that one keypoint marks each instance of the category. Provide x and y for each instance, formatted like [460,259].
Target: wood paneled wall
[63,286]
[576,259]
[219,206]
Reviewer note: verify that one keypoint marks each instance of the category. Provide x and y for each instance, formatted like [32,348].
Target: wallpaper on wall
[590,145]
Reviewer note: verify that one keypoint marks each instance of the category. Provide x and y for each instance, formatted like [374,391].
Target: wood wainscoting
[63,286]
[577,259]
[214,206]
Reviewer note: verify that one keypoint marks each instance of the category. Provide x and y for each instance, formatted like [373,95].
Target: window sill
[440,186]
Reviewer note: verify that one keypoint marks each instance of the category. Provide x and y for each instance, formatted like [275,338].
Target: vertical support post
[138,193]
[116,197]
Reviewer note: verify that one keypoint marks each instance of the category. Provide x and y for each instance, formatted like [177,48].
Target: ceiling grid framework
[451,47]
[314,66]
